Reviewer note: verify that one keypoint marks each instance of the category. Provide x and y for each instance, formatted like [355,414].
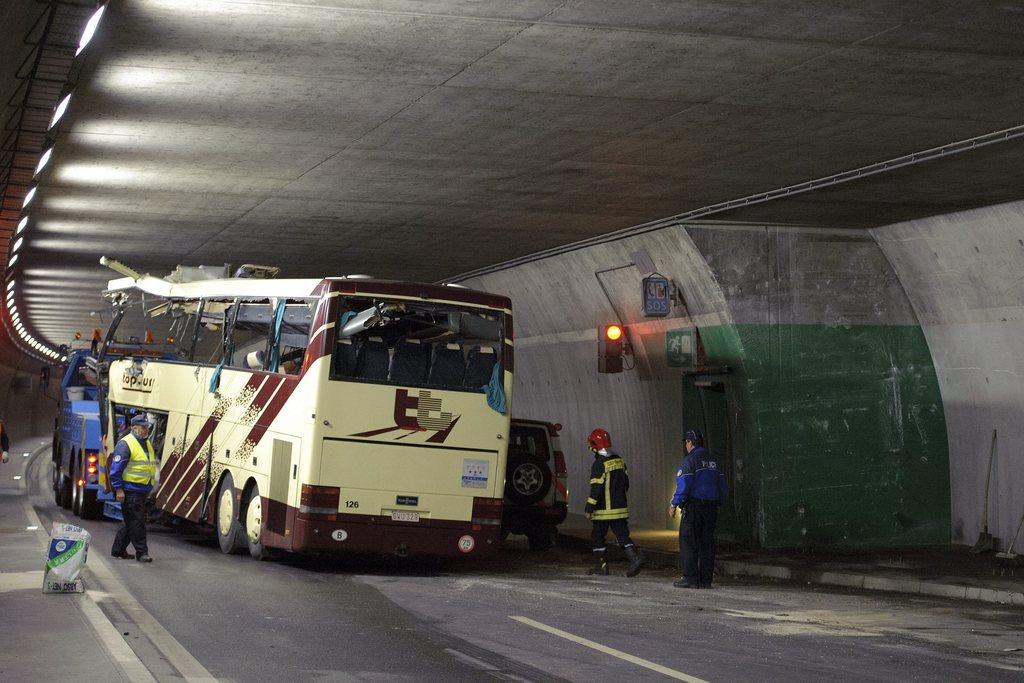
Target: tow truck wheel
[64,490]
[56,483]
[90,507]
[76,492]
[229,530]
[254,524]
[76,498]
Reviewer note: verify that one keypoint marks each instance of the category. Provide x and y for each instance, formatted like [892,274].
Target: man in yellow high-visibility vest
[132,472]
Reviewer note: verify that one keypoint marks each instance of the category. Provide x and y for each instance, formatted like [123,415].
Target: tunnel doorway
[706,407]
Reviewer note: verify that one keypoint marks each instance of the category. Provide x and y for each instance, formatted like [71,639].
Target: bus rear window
[418,344]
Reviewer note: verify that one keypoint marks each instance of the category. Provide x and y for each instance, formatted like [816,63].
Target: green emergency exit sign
[679,348]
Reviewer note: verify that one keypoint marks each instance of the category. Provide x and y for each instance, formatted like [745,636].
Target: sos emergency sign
[657,296]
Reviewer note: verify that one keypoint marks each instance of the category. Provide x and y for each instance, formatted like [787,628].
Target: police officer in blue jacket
[700,489]
[132,472]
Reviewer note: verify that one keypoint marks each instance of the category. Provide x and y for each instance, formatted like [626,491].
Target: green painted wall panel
[842,436]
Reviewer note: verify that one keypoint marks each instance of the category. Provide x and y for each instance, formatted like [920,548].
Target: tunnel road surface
[196,613]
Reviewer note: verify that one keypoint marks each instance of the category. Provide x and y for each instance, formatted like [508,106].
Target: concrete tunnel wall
[26,409]
[836,422]
[964,273]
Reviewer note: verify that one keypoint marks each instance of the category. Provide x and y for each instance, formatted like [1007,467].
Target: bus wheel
[254,524]
[229,530]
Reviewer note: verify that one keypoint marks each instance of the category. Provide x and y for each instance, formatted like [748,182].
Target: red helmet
[599,438]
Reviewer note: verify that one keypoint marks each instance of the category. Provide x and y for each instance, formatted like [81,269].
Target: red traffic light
[611,345]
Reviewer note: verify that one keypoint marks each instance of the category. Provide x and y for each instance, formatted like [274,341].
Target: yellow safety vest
[141,468]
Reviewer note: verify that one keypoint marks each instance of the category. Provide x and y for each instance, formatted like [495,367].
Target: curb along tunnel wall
[836,427]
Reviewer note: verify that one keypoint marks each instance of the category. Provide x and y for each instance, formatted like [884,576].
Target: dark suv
[536,497]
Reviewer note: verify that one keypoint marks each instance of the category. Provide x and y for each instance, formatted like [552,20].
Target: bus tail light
[319,500]
[487,511]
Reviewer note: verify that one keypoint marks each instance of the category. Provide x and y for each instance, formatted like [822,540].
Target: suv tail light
[487,511]
[560,470]
[561,475]
[319,500]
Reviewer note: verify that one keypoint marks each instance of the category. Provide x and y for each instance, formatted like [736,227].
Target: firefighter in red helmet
[606,506]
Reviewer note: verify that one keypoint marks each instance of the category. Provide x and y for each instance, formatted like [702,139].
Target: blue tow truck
[79,469]
[79,475]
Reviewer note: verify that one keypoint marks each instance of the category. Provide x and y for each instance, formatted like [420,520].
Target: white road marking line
[178,657]
[20,581]
[118,649]
[112,589]
[664,670]
[114,642]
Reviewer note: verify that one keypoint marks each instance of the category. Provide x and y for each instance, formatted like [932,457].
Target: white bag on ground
[69,547]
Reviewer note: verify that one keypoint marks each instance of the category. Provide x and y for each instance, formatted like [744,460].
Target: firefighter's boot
[600,564]
[636,560]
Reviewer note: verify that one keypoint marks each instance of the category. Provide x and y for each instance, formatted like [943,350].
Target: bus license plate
[403,516]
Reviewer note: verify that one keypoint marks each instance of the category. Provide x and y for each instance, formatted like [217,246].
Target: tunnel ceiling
[418,140]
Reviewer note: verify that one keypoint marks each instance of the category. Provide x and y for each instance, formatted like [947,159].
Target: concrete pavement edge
[119,651]
[838,579]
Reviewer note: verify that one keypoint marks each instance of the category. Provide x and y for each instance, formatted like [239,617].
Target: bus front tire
[230,534]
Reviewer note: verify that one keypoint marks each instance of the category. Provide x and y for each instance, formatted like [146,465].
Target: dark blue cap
[694,436]
[140,420]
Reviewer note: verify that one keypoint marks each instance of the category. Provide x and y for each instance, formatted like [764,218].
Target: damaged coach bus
[322,415]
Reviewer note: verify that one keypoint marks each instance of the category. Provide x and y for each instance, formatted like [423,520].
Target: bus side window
[249,336]
[292,337]
[346,351]
[479,366]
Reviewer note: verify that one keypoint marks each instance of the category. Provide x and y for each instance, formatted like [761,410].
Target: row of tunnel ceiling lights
[58,113]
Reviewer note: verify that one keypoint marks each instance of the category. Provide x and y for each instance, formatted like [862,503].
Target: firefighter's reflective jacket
[609,482]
